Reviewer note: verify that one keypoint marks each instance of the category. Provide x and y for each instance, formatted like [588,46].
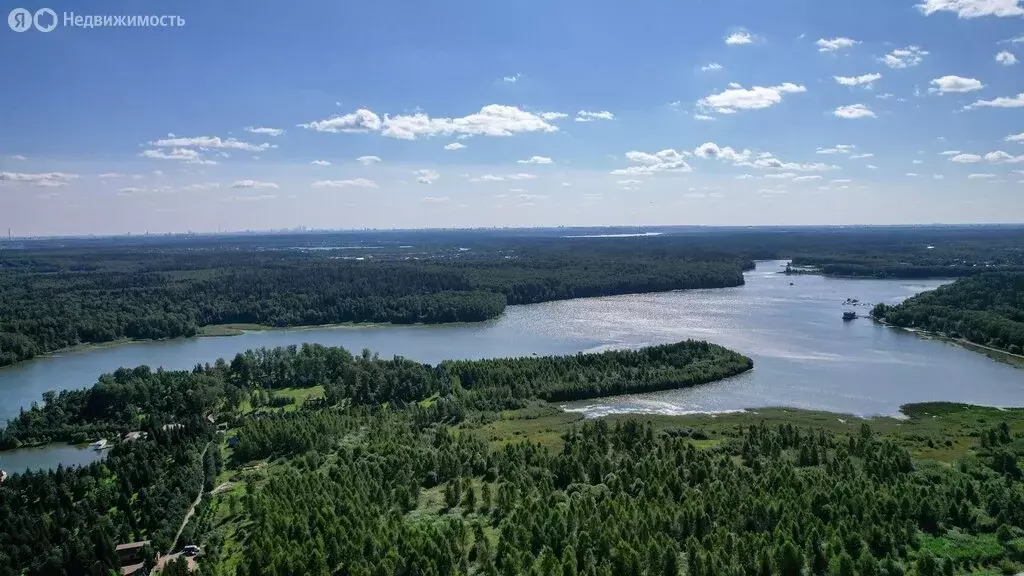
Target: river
[804,354]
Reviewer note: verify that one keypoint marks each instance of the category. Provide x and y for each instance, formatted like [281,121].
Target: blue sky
[569,113]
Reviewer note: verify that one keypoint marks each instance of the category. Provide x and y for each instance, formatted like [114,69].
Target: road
[191,510]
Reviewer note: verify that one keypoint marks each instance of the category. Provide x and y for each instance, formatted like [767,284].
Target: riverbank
[1010,358]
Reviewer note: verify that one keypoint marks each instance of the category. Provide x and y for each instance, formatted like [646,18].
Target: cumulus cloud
[42,179]
[999,156]
[629,182]
[1006,58]
[967,9]
[503,177]
[904,57]
[861,156]
[912,174]
[839,149]
[853,112]
[511,79]
[668,160]
[17,157]
[710,150]
[872,166]
[980,176]
[320,163]
[739,37]
[356,182]
[253,184]
[535,160]
[955,84]
[834,44]
[966,158]
[587,116]
[361,120]
[780,175]
[864,80]
[263,130]
[767,161]
[491,120]
[1015,137]
[702,117]
[737,98]
[184,154]
[553,115]
[426,176]
[949,153]
[710,67]
[210,142]
[454,146]
[1001,102]
[368,160]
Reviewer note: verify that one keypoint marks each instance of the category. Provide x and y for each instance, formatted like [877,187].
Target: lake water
[49,456]
[804,354]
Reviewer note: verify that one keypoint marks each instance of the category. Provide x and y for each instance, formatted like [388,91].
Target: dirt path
[191,510]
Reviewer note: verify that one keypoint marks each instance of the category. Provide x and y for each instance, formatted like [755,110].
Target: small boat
[100,444]
[847,316]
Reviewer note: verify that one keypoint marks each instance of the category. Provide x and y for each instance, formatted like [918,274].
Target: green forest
[986,310]
[314,460]
[53,300]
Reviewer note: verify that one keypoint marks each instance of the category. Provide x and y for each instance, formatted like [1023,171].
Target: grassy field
[299,394]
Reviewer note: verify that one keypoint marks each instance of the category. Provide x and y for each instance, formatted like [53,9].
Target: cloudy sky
[466,113]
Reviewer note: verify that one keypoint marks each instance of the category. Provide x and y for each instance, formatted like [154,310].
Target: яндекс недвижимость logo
[46,20]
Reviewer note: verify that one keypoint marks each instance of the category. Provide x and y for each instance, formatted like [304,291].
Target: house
[134,569]
[130,554]
[172,426]
[133,436]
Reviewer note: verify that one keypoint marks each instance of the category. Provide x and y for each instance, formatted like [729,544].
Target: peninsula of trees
[986,310]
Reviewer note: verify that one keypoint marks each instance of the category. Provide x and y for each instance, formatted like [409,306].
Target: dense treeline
[68,521]
[51,301]
[622,500]
[132,398]
[986,310]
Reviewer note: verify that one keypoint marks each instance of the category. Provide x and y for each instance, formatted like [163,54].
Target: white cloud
[973,8]
[491,120]
[17,157]
[766,161]
[1006,58]
[629,182]
[839,149]
[663,161]
[535,160]
[511,79]
[948,84]
[949,153]
[356,182]
[865,79]
[210,142]
[320,163]
[917,162]
[520,176]
[44,179]
[257,198]
[553,115]
[702,117]
[368,160]
[739,37]
[938,176]
[253,184]
[872,166]
[587,116]
[834,44]
[426,176]
[840,181]
[1001,102]
[966,158]
[710,67]
[744,176]
[999,156]
[109,175]
[267,131]
[904,57]
[780,175]
[738,98]
[853,111]
[454,146]
[710,150]
[885,96]
[203,186]
[566,184]
[1017,40]
[361,120]
[807,178]
[435,199]
[185,154]
[980,176]
[861,156]
[1015,137]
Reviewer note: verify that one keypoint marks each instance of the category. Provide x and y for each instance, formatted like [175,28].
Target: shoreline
[1016,360]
